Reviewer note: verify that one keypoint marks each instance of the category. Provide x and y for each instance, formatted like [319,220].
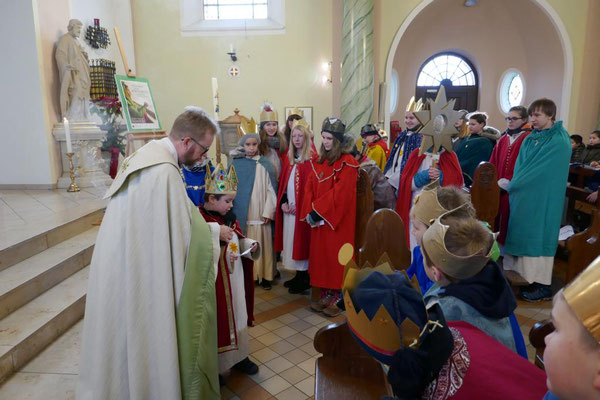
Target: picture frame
[307,110]
[139,109]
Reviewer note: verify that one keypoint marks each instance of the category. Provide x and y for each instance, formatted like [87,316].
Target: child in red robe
[417,173]
[292,236]
[234,283]
[329,207]
[504,157]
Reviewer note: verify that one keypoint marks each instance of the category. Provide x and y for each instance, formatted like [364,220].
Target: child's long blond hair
[306,151]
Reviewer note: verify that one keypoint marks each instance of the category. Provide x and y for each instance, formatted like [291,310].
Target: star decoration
[233,247]
[438,123]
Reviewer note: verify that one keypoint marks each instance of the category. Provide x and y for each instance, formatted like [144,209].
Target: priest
[150,318]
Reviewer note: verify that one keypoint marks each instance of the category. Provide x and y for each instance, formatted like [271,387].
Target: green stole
[197,318]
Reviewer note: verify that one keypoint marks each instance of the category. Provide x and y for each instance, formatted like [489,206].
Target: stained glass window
[446,66]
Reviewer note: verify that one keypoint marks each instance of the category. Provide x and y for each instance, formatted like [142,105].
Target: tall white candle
[215,93]
[231,47]
[68,136]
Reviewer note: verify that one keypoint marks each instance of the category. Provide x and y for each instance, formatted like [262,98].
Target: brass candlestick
[73,187]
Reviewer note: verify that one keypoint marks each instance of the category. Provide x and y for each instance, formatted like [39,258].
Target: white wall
[24,156]
[112,13]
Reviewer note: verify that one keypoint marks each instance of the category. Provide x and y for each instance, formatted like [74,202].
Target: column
[357,65]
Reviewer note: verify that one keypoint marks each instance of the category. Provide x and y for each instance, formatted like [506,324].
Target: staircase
[43,283]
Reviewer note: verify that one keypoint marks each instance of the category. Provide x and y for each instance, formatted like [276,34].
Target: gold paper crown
[381,331]
[268,113]
[221,182]
[248,126]
[413,106]
[583,296]
[301,122]
[296,111]
[459,267]
[426,207]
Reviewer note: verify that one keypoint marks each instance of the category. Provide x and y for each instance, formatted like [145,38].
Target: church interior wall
[284,69]
[494,36]
[24,155]
[576,16]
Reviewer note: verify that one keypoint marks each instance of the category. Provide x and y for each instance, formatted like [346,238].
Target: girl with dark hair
[474,148]
[272,142]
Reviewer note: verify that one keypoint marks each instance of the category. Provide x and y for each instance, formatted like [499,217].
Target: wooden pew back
[485,193]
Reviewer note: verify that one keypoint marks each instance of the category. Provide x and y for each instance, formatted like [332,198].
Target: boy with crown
[256,198]
[433,160]
[377,148]
[429,357]
[572,353]
[234,284]
[407,141]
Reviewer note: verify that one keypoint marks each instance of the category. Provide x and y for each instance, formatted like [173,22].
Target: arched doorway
[416,41]
[456,73]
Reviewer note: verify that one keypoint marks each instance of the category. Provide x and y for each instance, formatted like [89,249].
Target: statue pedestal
[86,138]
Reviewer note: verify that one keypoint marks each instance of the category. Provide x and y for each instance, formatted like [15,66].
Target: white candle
[231,47]
[215,94]
[68,136]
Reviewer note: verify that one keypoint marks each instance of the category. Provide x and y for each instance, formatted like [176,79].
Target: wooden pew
[364,207]
[345,370]
[485,193]
[536,338]
[386,234]
[582,248]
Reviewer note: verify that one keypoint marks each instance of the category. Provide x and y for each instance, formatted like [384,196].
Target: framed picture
[139,109]
[308,111]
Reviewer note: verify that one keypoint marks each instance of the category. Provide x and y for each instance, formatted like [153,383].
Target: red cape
[223,288]
[331,193]
[504,157]
[301,229]
[486,369]
[381,143]
[449,166]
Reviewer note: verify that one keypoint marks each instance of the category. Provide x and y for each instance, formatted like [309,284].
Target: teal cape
[245,169]
[537,193]
[471,151]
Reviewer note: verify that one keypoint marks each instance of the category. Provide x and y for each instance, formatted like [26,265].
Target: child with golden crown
[234,283]
[292,236]
[329,207]
[272,142]
[407,141]
[428,356]
[256,198]
[468,285]
[572,354]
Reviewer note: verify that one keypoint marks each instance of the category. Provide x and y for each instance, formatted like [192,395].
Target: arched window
[453,71]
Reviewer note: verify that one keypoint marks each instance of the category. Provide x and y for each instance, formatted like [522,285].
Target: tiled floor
[281,344]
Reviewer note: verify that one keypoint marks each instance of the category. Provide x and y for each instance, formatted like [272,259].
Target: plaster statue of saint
[74,72]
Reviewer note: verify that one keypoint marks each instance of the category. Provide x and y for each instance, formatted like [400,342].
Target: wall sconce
[231,53]
[326,73]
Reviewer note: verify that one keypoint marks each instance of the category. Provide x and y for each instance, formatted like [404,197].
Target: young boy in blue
[432,202]
[468,285]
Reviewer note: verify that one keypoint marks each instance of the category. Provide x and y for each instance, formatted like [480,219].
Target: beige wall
[53,18]
[576,17]
[283,69]
[494,36]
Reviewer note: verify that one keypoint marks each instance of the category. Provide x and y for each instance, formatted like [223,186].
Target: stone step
[19,244]
[29,278]
[28,330]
